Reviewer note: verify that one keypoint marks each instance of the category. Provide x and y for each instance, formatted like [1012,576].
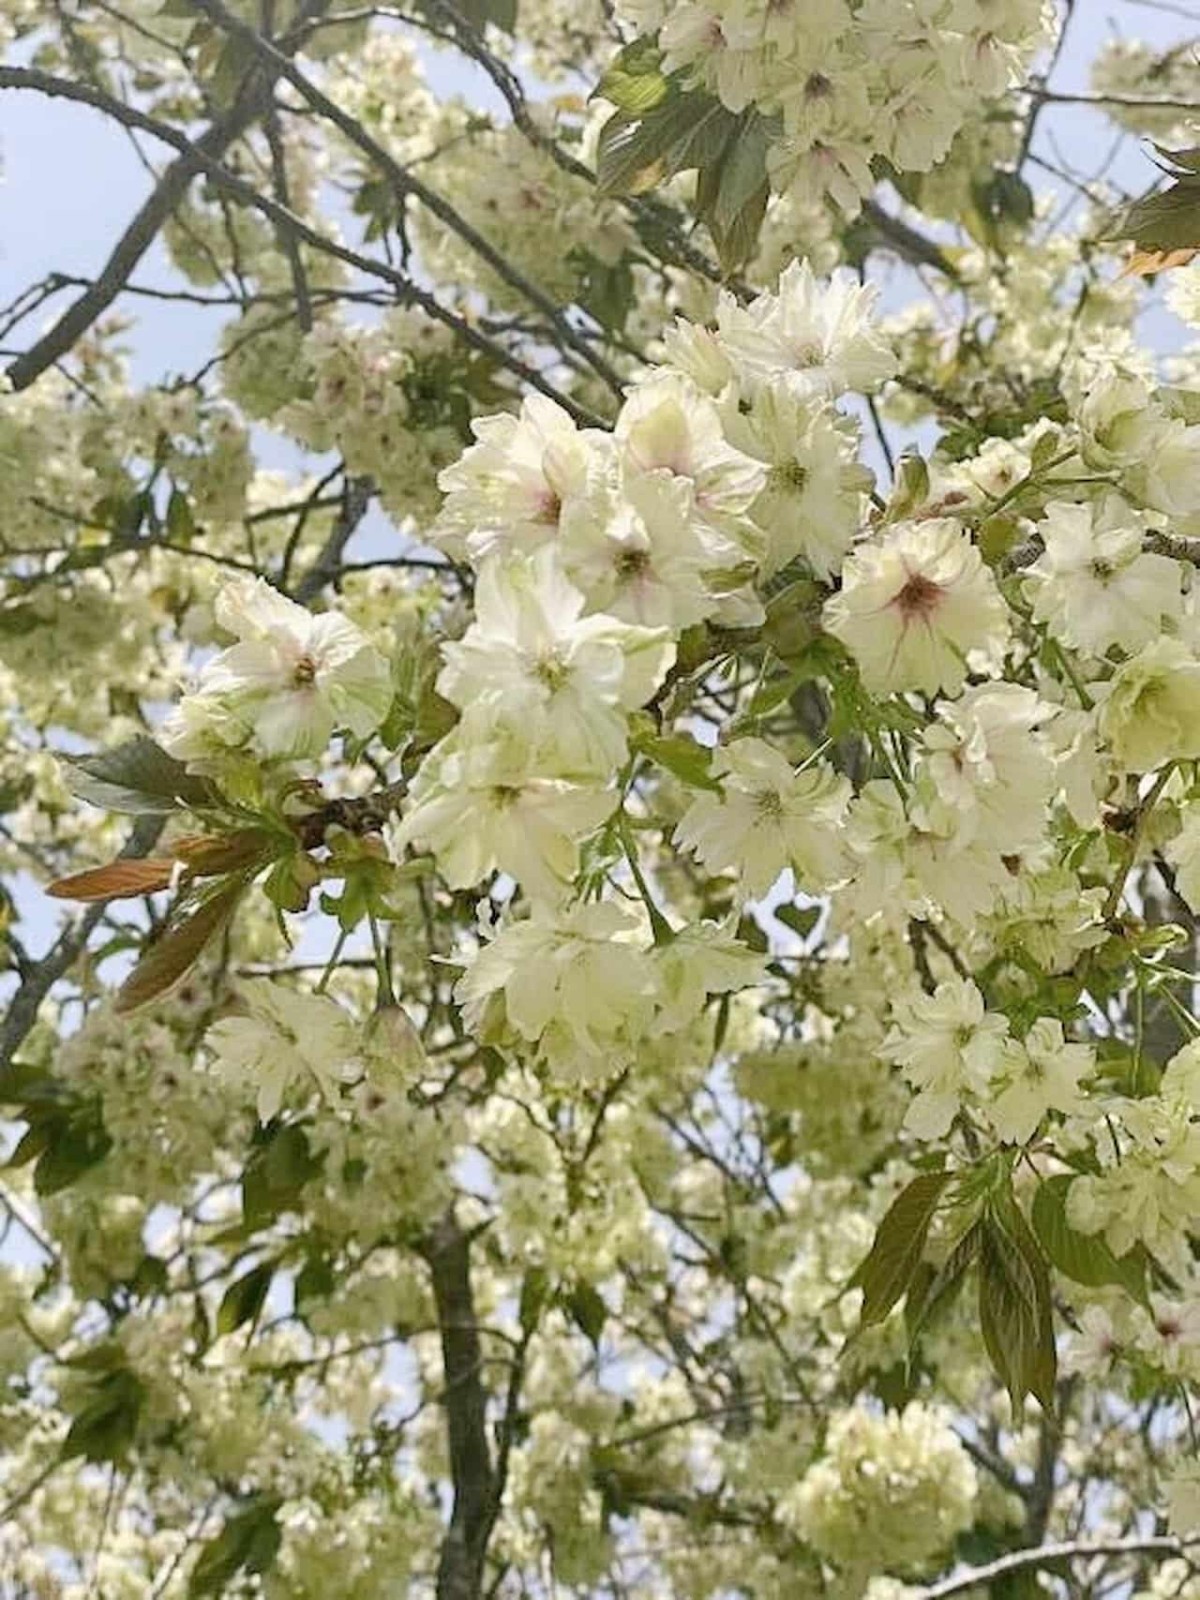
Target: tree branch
[356,499]
[405,182]
[460,1567]
[62,955]
[657,223]
[407,291]
[251,101]
[1046,1554]
[907,242]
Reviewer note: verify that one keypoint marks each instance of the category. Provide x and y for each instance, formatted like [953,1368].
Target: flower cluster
[890,1491]
[848,84]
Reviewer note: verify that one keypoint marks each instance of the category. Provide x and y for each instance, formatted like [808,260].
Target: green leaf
[800,919]
[181,524]
[275,1175]
[684,758]
[733,197]
[478,13]
[939,1286]
[911,488]
[534,1289]
[314,1281]
[884,1276]
[176,950]
[606,289]
[634,81]
[32,1142]
[1007,198]
[1180,161]
[18,620]
[1166,221]
[637,151]
[737,243]
[1083,1257]
[249,1542]
[1015,1315]
[588,1310]
[75,1148]
[138,777]
[777,690]
[104,1428]
[150,1278]
[245,1297]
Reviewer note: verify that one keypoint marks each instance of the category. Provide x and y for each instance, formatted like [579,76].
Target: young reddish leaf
[202,855]
[1145,263]
[178,948]
[116,881]
[208,855]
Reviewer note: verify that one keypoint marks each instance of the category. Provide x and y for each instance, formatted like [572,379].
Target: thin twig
[143,229]
[407,290]
[405,182]
[62,955]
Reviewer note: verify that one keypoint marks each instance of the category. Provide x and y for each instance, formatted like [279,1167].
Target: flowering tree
[628,1028]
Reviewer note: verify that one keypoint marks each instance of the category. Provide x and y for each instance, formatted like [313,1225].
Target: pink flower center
[549,508]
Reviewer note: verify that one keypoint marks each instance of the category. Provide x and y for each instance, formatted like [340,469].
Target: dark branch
[251,101]
[42,975]
[356,498]
[460,1568]
[907,242]
[407,292]
[406,183]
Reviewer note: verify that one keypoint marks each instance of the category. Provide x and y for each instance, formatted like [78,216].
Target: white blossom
[286,686]
[917,607]
[816,341]
[1095,585]
[284,1038]
[767,818]
[564,680]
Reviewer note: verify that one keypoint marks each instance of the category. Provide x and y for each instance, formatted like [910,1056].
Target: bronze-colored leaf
[1145,263]
[117,880]
[198,855]
[177,949]
[207,855]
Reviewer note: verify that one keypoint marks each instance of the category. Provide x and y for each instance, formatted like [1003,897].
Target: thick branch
[62,955]
[1046,1555]
[460,1568]
[906,241]
[356,498]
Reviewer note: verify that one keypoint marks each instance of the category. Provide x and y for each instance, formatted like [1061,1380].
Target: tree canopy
[600,809]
